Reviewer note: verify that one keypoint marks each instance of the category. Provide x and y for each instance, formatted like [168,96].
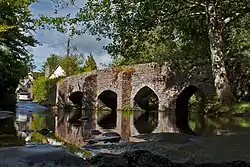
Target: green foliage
[44,90]
[189,35]
[36,75]
[15,61]
[72,64]
[243,107]
[38,122]
[90,64]
[52,62]
[127,111]
[39,90]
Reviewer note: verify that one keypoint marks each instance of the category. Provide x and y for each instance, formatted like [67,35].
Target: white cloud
[55,42]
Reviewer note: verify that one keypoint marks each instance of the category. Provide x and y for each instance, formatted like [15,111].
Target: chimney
[46,71]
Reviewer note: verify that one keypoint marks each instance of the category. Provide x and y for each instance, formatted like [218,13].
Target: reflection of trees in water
[107,119]
[38,122]
[145,122]
[212,125]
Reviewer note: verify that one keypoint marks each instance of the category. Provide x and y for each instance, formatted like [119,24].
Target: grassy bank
[9,141]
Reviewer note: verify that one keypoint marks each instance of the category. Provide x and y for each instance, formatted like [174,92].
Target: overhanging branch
[195,3]
[236,15]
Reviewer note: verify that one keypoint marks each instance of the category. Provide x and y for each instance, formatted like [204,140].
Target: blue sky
[55,42]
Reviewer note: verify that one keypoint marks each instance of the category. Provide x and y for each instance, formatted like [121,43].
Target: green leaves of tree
[16,25]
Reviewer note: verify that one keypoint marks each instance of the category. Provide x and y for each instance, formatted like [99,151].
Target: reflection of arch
[107,119]
[109,99]
[76,98]
[146,99]
[146,122]
[182,111]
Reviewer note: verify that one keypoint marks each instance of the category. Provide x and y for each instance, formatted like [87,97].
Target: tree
[72,64]
[16,25]
[52,62]
[202,27]
[131,20]
[36,75]
[40,90]
[90,64]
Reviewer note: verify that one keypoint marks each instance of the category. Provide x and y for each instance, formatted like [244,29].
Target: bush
[44,90]
[39,90]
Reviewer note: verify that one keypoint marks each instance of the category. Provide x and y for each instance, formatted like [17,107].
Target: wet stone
[114,139]
[111,134]
[109,161]
[143,158]
[95,132]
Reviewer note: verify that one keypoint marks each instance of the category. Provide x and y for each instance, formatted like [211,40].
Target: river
[32,115]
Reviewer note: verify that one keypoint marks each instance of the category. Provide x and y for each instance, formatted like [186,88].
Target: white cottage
[58,72]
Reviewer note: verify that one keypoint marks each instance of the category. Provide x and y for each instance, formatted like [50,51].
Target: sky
[54,42]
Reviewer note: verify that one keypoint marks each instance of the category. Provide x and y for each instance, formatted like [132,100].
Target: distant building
[24,89]
[58,72]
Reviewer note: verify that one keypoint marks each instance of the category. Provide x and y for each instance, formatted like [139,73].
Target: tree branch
[195,3]
[236,15]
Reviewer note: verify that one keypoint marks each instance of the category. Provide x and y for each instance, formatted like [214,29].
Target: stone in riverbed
[139,158]
[144,158]
[39,155]
[111,134]
[110,137]
[114,139]
[95,132]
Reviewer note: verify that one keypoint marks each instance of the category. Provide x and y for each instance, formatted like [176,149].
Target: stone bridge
[131,87]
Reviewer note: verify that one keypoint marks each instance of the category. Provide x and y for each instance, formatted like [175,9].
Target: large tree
[127,22]
[200,27]
[16,25]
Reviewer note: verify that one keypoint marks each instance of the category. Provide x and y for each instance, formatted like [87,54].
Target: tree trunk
[216,30]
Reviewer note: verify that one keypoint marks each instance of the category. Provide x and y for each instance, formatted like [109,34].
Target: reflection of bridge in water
[125,123]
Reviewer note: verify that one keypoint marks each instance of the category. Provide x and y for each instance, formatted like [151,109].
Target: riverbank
[44,155]
[181,148]
[10,141]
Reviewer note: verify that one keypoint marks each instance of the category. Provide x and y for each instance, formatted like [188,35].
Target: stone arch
[105,118]
[146,99]
[181,108]
[76,98]
[109,99]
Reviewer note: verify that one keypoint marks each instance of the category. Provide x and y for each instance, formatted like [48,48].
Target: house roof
[24,82]
[52,72]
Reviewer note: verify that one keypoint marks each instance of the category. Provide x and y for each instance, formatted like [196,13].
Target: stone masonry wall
[164,81]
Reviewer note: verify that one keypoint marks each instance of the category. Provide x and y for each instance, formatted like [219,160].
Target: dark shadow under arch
[76,98]
[182,111]
[109,99]
[146,99]
[107,119]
